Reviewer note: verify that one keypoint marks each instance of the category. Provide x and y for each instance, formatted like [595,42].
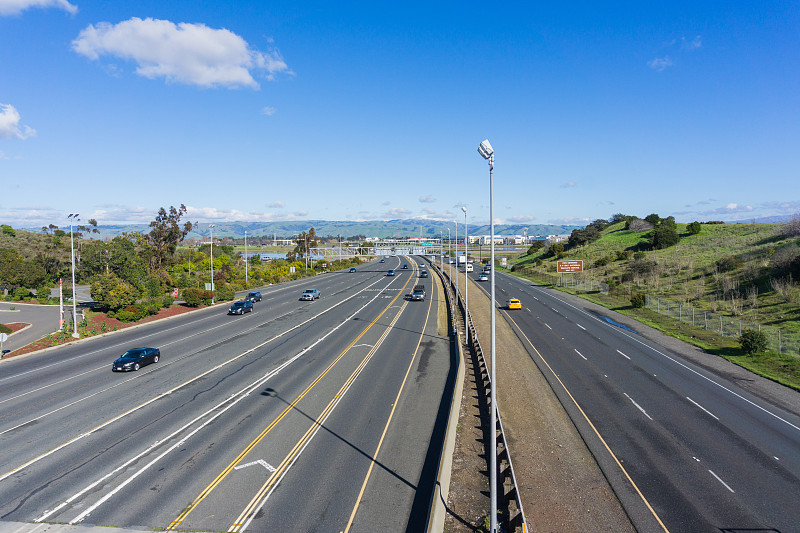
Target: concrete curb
[438,508]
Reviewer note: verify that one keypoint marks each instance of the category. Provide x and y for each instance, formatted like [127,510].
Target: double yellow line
[278,472]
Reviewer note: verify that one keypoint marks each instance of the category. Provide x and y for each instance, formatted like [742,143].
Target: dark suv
[254,296]
[241,307]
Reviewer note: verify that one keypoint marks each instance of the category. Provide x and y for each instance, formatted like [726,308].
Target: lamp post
[211,227]
[245,258]
[458,290]
[73,217]
[449,268]
[466,277]
[486,151]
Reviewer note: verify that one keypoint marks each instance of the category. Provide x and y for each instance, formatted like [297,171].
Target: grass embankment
[689,272]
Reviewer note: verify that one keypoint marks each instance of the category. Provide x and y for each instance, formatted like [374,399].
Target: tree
[587,235]
[662,237]
[165,235]
[694,228]
[8,230]
[12,267]
[535,247]
[113,293]
[304,243]
[653,218]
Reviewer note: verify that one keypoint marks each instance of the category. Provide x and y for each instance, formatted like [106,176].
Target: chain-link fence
[576,282]
[778,340]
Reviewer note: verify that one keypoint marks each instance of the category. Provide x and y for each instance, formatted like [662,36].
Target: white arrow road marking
[261,462]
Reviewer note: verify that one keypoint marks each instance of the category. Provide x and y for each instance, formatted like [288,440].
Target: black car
[254,296]
[241,307]
[383,260]
[135,359]
[391,272]
[405,267]
[353,269]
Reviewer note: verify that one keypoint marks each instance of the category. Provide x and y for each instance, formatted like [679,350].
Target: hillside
[745,272]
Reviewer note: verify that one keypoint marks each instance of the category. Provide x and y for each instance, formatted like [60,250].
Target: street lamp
[458,290]
[245,258]
[466,278]
[73,217]
[486,151]
[211,227]
[449,268]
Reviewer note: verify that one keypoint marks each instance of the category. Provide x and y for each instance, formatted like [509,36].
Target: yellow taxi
[513,303]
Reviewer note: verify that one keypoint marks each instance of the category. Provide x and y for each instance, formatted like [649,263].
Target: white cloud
[427,199]
[521,219]
[13,7]
[397,212]
[277,205]
[9,124]
[568,184]
[193,54]
[660,63]
[694,44]
[268,111]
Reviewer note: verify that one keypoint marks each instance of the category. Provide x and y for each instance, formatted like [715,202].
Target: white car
[483,277]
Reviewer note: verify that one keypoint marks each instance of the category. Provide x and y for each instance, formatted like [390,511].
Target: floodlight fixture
[485,149]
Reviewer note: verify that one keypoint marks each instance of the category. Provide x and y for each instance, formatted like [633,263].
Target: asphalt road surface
[685,447]
[317,415]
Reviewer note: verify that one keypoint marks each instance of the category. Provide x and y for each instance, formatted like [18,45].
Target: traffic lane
[48,377]
[350,437]
[277,448]
[195,398]
[769,427]
[690,431]
[201,357]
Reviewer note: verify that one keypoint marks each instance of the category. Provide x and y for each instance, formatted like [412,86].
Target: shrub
[21,293]
[638,300]
[693,228]
[638,256]
[194,297]
[623,255]
[603,261]
[225,292]
[132,313]
[753,341]
[726,264]
[535,247]
[166,301]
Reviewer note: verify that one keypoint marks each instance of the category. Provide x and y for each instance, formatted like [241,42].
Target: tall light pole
[73,217]
[458,289]
[466,277]
[486,151]
[449,268]
[211,227]
[245,258]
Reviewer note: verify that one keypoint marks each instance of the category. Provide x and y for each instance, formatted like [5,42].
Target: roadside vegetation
[136,275]
[748,271]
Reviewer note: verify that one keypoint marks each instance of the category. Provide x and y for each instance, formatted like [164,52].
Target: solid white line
[548,326]
[583,328]
[639,407]
[703,408]
[579,353]
[623,355]
[723,483]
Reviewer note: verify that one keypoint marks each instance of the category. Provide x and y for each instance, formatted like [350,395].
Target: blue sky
[371,110]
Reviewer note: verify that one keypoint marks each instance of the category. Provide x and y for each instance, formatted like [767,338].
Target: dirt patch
[16,326]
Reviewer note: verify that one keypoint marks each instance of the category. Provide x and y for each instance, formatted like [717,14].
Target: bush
[639,255]
[638,300]
[166,301]
[194,297]
[726,264]
[693,228]
[225,292]
[624,255]
[753,341]
[131,313]
[603,261]
[20,293]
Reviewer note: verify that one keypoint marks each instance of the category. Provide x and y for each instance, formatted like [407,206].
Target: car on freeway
[254,296]
[136,358]
[483,277]
[423,273]
[418,294]
[241,307]
[310,294]
[513,303]
[383,260]
[390,272]
[422,265]
[353,269]
[405,267]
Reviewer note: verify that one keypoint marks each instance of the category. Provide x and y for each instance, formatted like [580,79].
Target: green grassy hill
[742,271]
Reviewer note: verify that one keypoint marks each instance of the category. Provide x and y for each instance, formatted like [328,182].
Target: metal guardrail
[505,475]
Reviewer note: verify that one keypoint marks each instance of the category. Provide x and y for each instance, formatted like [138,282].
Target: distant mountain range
[329,228]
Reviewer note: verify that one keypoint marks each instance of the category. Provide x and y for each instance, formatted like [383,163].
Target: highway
[314,415]
[685,448]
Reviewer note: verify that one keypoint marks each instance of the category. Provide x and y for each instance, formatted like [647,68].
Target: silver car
[310,294]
